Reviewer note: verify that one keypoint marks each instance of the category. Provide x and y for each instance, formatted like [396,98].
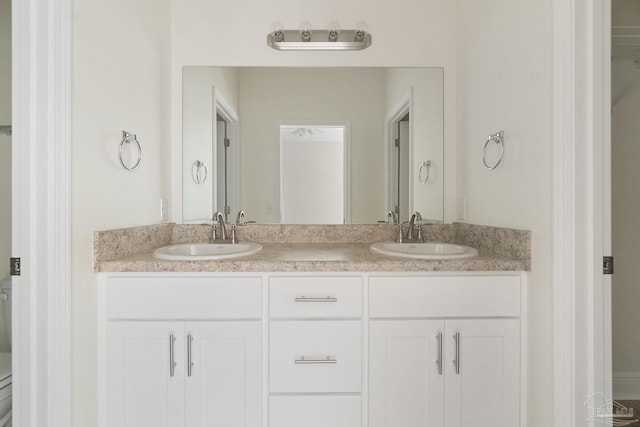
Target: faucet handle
[234,240]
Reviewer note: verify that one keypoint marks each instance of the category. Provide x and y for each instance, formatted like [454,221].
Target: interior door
[313,177]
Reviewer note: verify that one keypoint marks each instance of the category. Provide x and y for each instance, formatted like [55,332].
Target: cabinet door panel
[141,391]
[486,391]
[405,386]
[224,386]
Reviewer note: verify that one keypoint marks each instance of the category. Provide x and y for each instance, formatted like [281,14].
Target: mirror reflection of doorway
[225,181]
[398,161]
[400,171]
[313,174]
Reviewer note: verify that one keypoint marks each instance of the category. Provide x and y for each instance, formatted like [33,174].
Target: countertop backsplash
[501,243]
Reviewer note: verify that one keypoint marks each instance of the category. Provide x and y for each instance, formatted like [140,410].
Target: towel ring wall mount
[498,139]
[426,166]
[127,138]
[199,172]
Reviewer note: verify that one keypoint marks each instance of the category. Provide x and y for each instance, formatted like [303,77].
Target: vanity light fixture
[305,38]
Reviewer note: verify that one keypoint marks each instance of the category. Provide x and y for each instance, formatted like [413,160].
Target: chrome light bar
[319,40]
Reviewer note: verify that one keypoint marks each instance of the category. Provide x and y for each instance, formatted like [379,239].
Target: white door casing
[40,212]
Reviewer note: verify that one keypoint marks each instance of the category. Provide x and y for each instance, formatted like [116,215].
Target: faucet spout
[416,217]
[219,218]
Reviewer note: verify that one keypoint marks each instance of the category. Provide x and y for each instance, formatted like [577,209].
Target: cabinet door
[143,390]
[406,385]
[223,388]
[485,389]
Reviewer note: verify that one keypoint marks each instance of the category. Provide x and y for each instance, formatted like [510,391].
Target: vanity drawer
[444,296]
[183,298]
[315,297]
[315,411]
[315,356]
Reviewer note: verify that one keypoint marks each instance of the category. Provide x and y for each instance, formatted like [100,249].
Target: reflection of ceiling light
[302,132]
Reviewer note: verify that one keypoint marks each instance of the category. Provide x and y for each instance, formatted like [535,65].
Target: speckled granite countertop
[310,248]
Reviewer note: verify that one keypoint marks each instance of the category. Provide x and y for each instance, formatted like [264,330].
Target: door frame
[581,209]
[41,212]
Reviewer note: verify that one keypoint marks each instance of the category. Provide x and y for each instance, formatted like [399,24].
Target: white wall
[505,83]
[120,71]
[503,49]
[5,148]
[427,121]
[201,85]
[263,107]
[206,32]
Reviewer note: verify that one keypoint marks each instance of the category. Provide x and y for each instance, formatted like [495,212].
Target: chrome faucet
[219,218]
[412,224]
[240,218]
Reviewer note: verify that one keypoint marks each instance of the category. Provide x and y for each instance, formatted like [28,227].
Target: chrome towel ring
[127,138]
[199,172]
[426,165]
[497,138]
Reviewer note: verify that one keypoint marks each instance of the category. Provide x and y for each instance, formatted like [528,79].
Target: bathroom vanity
[312,335]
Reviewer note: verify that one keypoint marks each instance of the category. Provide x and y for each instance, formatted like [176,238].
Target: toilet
[5,358]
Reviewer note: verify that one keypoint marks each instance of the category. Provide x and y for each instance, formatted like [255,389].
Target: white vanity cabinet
[182,352]
[444,351]
[311,349]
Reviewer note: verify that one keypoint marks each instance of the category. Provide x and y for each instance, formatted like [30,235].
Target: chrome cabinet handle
[439,361]
[189,355]
[172,362]
[306,361]
[456,362]
[316,299]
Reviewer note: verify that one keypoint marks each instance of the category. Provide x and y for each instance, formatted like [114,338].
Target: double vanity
[320,326]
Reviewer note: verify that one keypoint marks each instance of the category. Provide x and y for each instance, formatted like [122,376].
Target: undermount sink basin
[206,251]
[424,250]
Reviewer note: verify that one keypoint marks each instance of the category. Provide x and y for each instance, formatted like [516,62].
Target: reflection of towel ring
[427,165]
[498,138]
[199,172]
[126,139]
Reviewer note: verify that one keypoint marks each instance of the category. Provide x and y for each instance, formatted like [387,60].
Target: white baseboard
[626,385]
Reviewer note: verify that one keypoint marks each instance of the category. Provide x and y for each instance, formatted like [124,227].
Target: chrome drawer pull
[189,355]
[456,362]
[316,299]
[172,363]
[439,361]
[304,361]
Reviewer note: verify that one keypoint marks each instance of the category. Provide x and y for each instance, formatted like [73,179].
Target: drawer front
[315,411]
[186,298]
[315,356]
[315,297]
[444,296]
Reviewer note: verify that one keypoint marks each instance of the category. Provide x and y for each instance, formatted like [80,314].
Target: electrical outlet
[163,209]
[461,208]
